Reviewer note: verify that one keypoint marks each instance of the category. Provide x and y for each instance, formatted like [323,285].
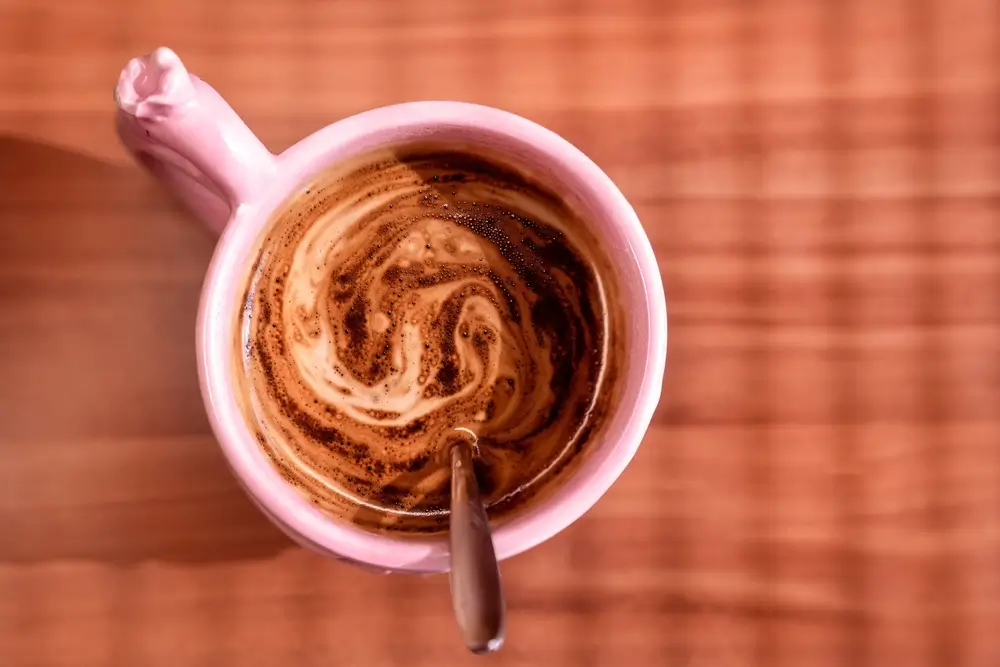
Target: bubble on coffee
[410,298]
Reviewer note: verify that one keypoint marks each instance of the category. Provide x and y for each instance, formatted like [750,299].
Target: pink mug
[182,131]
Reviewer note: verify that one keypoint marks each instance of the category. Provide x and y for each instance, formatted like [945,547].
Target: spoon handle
[476,594]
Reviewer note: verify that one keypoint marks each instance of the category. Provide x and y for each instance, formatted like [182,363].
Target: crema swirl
[410,298]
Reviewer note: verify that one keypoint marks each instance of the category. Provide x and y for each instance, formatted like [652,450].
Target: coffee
[414,296]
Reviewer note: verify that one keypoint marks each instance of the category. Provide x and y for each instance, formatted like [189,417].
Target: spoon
[476,595]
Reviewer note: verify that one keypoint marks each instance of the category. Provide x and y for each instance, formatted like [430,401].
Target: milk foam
[410,294]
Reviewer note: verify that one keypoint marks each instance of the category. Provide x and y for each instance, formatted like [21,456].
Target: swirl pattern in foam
[416,296]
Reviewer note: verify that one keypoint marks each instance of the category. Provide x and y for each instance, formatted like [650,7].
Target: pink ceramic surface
[184,133]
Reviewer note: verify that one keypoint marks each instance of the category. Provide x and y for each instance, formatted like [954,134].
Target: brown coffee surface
[413,297]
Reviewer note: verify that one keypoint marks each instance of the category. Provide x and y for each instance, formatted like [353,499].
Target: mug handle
[189,138]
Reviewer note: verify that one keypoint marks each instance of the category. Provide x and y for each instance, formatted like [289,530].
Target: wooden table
[821,484]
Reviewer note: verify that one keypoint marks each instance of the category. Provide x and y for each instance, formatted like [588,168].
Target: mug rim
[280,501]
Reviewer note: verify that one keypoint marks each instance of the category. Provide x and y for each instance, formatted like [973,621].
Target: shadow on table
[105,450]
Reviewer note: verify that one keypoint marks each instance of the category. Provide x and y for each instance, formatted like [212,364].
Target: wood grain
[821,485]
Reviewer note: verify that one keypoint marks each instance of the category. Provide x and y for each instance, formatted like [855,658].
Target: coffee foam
[410,298]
